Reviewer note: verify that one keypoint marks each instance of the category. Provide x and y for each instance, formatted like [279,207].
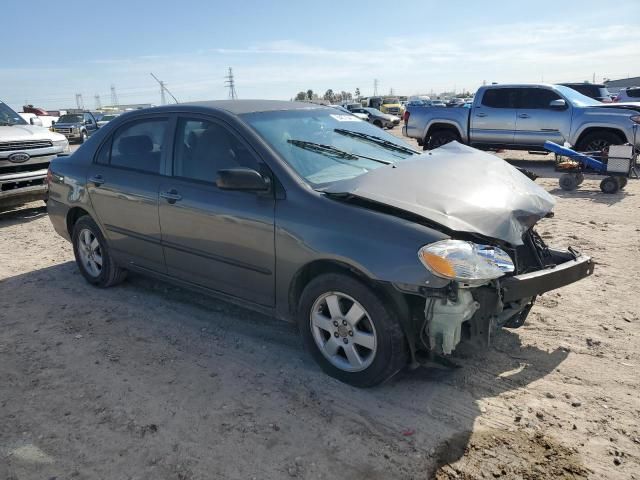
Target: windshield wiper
[377,140]
[332,151]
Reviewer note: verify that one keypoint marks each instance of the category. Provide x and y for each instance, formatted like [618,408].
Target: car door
[219,239]
[537,121]
[123,184]
[493,117]
[90,123]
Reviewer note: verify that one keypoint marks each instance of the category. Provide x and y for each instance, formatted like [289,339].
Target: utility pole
[391,92]
[375,87]
[230,83]
[79,101]
[114,97]
[163,89]
[98,102]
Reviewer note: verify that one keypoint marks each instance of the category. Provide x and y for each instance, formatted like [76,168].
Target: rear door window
[499,98]
[536,98]
[139,145]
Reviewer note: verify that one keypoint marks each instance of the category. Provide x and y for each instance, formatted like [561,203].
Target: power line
[229,82]
[375,87]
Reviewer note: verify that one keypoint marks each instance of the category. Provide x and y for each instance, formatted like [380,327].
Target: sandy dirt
[148,381]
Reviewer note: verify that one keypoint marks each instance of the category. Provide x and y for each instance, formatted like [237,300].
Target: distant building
[614,85]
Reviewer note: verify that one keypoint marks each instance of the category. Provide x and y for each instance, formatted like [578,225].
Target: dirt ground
[148,381]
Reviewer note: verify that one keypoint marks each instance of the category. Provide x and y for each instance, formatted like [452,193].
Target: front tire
[83,137]
[351,333]
[92,255]
[598,141]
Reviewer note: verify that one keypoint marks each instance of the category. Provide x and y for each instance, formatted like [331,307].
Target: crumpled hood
[460,188]
[26,132]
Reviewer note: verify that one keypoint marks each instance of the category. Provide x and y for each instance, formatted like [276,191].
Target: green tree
[328,95]
[301,96]
[310,94]
[357,93]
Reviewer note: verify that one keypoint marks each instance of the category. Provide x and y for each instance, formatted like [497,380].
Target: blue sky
[52,50]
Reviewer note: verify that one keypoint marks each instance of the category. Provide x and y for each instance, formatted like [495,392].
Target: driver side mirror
[243,179]
[558,104]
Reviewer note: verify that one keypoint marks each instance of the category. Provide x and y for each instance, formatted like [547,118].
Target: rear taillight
[405,117]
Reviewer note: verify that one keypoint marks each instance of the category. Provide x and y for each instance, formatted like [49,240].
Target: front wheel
[350,332]
[83,137]
[92,254]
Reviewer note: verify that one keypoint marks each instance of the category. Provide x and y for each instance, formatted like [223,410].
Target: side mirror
[35,121]
[245,179]
[558,104]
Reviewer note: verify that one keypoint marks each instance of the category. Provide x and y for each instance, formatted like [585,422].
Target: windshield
[106,118]
[576,98]
[374,111]
[9,117]
[324,146]
[71,118]
[390,101]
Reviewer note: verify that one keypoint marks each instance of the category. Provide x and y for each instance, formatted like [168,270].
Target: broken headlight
[465,262]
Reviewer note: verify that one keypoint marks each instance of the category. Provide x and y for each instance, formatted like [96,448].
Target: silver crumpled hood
[460,188]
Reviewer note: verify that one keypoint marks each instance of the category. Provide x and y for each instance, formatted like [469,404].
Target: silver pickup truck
[523,117]
[25,153]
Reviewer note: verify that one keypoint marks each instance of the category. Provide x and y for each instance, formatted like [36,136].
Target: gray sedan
[383,255]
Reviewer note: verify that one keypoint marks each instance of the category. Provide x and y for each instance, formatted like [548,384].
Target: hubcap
[343,331]
[597,145]
[90,252]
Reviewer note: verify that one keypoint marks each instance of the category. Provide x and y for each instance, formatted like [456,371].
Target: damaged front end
[471,309]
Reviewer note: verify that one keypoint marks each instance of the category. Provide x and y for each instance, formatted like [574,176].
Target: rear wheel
[441,137]
[609,185]
[350,332]
[92,254]
[598,141]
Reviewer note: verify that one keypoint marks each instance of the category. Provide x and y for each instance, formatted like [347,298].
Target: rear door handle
[481,114]
[523,115]
[97,180]
[172,196]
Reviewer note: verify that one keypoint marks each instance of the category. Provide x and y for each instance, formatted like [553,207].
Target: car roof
[252,106]
[579,84]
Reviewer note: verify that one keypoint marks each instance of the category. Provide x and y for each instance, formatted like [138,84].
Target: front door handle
[481,114]
[97,180]
[523,115]
[172,196]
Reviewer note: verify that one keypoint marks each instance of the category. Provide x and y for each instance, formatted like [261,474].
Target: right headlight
[466,262]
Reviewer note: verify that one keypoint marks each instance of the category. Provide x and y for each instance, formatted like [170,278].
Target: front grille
[19,168]
[7,187]
[393,110]
[26,145]
[533,255]
[62,130]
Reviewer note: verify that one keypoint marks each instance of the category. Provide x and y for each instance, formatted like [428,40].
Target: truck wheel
[609,185]
[351,333]
[441,137]
[568,182]
[598,141]
[92,254]
[83,136]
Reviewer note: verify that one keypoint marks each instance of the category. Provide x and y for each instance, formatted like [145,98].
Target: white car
[25,153]
[628,94]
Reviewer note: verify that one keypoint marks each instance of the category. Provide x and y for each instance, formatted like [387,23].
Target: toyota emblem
[19,157]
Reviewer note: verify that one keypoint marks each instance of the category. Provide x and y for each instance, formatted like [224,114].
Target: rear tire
[441,137]
[92,254]
[331,331]
[598,140]
[609,185]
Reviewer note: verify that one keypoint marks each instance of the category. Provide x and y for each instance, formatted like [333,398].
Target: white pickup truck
[25,153]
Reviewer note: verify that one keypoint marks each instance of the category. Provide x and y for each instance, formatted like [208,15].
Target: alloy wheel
[343,331]
[90,252]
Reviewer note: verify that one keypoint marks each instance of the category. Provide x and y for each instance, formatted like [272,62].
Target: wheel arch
[588,130]
[442,125]
[73,215]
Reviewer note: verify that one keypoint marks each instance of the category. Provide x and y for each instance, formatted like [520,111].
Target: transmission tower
[375,87]
[229,82]
[114,96]
[163,89]
[79,101]
[98,102]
